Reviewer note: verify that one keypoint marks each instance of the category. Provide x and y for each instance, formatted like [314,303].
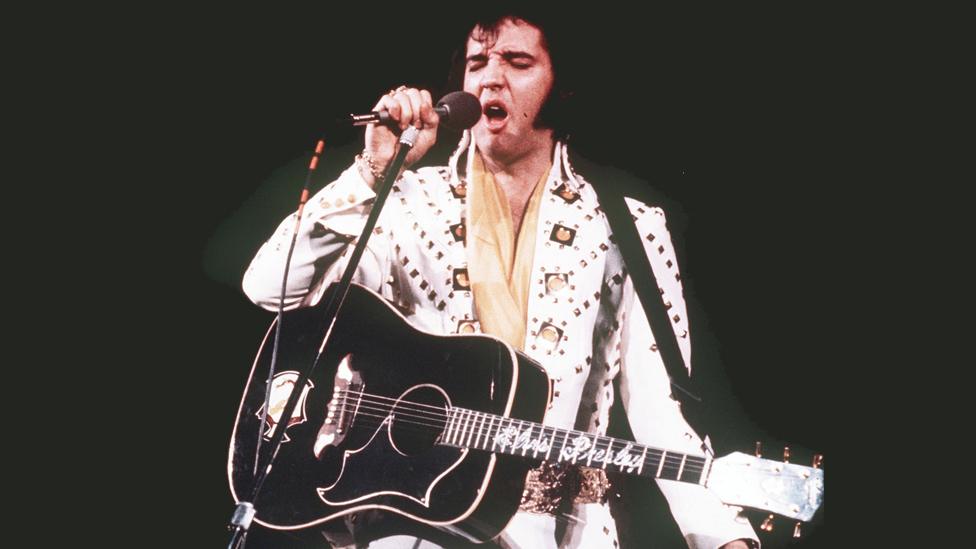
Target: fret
[480,430]
[540,440]
[706,468]
[563,446]
[475,418]
[486,427]
[641,468]
[552,442]
[457,425]
[450,422]
[589,455]
[525,447]
[461,427]
[660,466]
[698,469]
[671,468]
[470,430]
[609,454]
[503,426]
[474,428]
[681,468]
[488,434]
[512,428]
[492,432]
[515,430]
[494,437]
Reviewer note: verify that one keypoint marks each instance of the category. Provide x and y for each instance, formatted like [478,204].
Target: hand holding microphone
[404,107]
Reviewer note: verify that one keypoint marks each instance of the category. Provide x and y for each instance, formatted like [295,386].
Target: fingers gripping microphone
[457,110]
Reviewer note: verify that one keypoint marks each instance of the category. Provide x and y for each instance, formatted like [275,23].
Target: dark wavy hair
[557,111]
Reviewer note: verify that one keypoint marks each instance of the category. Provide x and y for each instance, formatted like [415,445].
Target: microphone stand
[245,511]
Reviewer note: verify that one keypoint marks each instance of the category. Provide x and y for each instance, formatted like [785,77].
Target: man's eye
[475,65]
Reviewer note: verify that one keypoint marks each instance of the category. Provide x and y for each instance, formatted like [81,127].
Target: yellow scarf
[498,267]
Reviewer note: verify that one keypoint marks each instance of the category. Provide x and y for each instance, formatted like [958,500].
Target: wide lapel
[567,272]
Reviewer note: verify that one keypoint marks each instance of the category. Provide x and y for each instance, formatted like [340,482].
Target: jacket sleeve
[655,417]
[332,221]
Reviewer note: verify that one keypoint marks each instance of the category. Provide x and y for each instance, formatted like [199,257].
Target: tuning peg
[758,449]
[767,525]
[786,454]
[796,530]
[817,460]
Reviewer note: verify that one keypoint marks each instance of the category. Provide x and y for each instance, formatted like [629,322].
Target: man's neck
[517,176]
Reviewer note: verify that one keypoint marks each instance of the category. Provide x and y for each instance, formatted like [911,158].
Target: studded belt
[548,486]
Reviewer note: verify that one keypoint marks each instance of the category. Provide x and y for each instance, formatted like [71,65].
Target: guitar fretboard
[477,430]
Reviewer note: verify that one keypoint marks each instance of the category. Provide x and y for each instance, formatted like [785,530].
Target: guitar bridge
[346,396]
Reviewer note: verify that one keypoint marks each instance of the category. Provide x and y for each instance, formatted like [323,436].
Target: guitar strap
[629,493]
[612,201]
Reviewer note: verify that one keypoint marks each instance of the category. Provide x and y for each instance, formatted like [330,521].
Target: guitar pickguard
[378,468]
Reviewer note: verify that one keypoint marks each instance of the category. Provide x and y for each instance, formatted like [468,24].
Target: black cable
[244,514]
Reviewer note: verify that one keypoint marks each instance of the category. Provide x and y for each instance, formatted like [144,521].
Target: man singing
[509,240]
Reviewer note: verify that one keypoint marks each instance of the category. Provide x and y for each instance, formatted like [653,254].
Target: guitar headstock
[787,489]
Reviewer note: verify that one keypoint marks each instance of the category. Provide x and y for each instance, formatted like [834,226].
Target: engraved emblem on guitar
[281,386]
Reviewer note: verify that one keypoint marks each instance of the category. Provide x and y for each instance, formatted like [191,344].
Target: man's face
[512,77]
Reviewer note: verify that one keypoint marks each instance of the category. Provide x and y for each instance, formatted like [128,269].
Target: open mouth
[495,115]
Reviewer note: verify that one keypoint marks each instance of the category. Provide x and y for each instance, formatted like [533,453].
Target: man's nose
[493,76]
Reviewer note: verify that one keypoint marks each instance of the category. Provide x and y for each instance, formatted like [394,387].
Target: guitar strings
[671,463]
[382,397]
[438,420]
[479,440]
[443,419]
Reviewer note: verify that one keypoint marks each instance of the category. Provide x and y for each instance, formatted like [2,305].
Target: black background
[732,113]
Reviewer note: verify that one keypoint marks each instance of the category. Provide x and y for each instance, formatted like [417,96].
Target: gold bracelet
[374,169]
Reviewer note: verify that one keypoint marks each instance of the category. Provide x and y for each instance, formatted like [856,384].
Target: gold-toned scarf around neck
[498,267]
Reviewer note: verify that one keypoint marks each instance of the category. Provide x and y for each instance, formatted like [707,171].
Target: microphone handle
[383,117]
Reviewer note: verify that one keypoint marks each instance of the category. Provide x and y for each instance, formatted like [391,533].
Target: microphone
[457,110]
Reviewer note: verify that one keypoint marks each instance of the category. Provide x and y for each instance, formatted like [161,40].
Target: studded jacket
[584,325]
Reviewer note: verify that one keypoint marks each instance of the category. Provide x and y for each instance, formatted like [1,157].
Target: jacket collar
[560,173]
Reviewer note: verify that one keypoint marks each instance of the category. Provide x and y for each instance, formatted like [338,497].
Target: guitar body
[388,388]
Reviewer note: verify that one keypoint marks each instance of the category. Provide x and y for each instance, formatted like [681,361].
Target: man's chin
[491,142]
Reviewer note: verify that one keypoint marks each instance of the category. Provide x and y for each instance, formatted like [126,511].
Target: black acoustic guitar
[442,430]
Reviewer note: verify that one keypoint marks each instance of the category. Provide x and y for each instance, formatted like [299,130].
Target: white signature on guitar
[511,436]
[583,448]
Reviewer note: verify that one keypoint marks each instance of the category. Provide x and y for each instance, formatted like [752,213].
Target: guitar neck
[481,431]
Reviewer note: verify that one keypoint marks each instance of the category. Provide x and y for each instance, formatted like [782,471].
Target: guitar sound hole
[418,419]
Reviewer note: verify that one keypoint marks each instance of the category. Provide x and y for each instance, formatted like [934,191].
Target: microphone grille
[463,110]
